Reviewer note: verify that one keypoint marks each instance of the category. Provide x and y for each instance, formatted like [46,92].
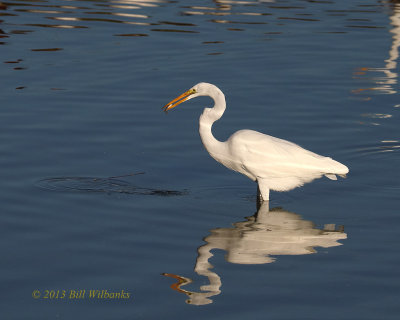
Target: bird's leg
[259,198]
[262,196]
[262,192]
[262,212]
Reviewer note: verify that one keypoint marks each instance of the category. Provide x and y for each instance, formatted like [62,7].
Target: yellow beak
[182,98]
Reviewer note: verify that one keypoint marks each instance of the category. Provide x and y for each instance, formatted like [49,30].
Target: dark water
[83,83]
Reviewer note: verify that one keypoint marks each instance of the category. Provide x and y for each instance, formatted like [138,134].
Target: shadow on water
[106,185]
[258,240]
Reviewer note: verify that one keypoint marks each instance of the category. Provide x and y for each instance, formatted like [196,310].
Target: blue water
[100,190]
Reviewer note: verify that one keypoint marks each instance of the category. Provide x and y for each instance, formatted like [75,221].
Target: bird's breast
[234,164]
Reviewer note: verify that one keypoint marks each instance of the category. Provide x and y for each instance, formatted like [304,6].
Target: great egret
[275,164]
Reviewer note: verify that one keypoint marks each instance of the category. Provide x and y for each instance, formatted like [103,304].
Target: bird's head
[200,89]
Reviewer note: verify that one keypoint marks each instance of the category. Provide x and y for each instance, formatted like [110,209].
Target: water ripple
[85,15]
[106,185]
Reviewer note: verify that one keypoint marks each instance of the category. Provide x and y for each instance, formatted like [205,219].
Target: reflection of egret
[272,233]
[255,241]
[274,163]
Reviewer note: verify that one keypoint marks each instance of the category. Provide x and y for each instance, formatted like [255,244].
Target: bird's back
[266,156]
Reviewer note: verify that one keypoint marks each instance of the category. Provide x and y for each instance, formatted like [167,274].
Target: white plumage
[275,164]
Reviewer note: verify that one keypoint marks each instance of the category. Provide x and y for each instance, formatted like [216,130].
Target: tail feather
[331,176]
[334,167]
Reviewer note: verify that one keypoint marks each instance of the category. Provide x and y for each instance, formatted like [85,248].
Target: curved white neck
[207,118]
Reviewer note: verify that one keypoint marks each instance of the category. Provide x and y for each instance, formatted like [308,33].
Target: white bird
[275,164]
